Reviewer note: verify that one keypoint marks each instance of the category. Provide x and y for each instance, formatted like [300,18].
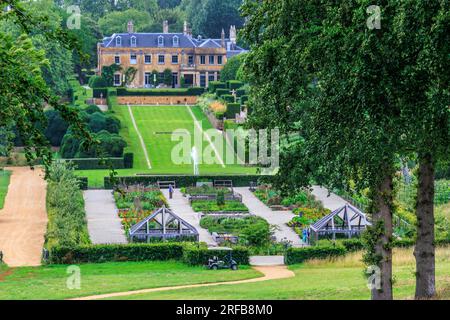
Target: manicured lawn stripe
[141,140]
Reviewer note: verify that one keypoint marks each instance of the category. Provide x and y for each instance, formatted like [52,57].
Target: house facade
[192,61]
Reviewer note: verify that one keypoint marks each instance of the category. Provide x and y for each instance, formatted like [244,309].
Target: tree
[425,96]
[168,78]
[23,91]
[331,80]
[116,22]
[56,127]
[231,68]
[168,4]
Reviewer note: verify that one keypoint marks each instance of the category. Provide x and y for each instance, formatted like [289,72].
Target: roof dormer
[118,41]
[160,41]
[176,41]
[133,41]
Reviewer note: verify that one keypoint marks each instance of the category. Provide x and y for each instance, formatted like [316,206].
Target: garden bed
[214,206]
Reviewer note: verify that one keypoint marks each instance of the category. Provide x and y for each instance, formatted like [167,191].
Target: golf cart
[215,263]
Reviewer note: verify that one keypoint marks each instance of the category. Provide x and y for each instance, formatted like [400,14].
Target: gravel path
[181,207]
[104,224]
[277,218]
[23,220]
[331,202]
[269,273]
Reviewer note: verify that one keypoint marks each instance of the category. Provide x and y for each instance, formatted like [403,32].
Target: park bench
[166,184]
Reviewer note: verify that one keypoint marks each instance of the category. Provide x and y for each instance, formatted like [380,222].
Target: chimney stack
[185,28]
[166,26]
[222,38]
[130,27]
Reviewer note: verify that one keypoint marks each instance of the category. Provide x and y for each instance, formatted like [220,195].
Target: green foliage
[300,255]
[199,255]
[221,92]
[128,160]
[213,206]
[234,84]
[97,163]
[214,85]
[232,110]
[91,109]
[4,183]
[231,68]
[65,209]
[119,253]
[122,92]
[168,78]
[108,74]
[228,98]
[56,127]
[116,22]
[97,82]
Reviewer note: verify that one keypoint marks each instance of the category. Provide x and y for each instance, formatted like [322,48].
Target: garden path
[331,201]
[181,207]
[104,224]
[269,273]
[23,220]
[277,218]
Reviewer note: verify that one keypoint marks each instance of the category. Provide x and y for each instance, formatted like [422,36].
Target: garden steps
[277,218]
[181,207]
[104,224]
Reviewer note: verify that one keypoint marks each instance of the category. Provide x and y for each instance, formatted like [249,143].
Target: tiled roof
[150,40]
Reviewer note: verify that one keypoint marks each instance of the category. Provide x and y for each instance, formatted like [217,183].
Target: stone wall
[158,100]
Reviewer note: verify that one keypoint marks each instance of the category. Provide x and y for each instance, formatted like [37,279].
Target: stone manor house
[197,60]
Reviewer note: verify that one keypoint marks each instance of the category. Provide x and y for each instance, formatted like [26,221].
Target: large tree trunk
[425,249]
[383,215]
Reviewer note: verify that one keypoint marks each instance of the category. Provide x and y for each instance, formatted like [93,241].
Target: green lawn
[156,125]
[4,182]
[49,282]
[317,281]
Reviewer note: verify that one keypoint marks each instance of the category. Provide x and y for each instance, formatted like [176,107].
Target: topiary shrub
[214,85]
[97,82]
[128,160]
[221,92]
[228,98]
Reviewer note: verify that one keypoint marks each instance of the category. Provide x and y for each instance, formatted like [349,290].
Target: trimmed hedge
[300,255]
[128,160]
[214,85]
[234,84]
[100,93]
[116,253]
[243,100]
[232,109]
[84,183]
[222,92]
[241,92]
[187,181]
[228,98]
[97,163]
[122,92]
[198,256]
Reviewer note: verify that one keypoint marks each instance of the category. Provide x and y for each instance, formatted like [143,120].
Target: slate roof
[150,40]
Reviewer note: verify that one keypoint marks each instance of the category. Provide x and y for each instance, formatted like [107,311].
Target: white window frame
[202,57]
[145,58]
[118,41]
[178,59]
[160,41]
[115,59]
[213,60]
[133,61]
[219,60]
[133,41]
[164,58]
[176,41]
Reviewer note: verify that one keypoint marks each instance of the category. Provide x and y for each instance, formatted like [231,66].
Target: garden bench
[166,184]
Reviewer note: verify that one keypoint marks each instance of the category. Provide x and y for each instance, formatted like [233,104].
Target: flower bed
[135,206]
[213,206]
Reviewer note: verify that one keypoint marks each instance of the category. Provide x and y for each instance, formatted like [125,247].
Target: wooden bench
[166,184]
[223,183]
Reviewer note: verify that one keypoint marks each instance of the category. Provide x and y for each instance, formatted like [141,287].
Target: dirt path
[23,220]
[270,273]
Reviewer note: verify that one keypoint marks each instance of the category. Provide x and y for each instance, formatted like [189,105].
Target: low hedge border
[125,162]
[191,254]
[300,255]
[116,253]
[187,181]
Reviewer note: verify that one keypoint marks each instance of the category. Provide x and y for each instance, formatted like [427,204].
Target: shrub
[244,100]
[300,255]
[195,255]
[221,92]
[65,209]
[228,98]
[232,110]
[234,84]
[230,70]
[116,253]
[214,85]
[97,82]
[241,92]
[56,127]
[97,163]
[128,160]
[122,92]
[91,109]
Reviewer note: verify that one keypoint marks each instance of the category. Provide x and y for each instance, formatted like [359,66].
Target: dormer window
[133,41]
[160,41]
[119,41]
[176,41]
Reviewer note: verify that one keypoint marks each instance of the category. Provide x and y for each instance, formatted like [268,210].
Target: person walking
[170,191]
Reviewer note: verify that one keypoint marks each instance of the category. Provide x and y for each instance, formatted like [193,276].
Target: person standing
[170,191]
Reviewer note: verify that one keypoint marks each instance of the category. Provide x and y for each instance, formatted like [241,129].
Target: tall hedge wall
[187,181]
[232,110]
[125,162]
[214,85]
[100,93]
[299,255]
